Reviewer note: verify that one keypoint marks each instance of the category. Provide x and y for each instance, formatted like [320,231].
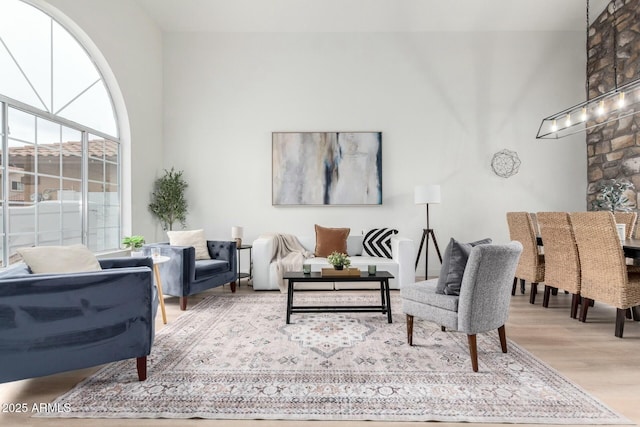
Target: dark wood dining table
[631,247]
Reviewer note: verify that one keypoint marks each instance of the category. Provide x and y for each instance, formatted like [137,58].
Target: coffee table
[300,277]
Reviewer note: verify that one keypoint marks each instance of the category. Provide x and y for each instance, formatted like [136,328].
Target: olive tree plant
[168,201]
[611,196]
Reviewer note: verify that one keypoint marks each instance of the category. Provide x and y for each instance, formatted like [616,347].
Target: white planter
[137,253]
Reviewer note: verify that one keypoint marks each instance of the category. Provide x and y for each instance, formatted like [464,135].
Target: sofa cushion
[210,267]
[193,238]
[59,259]
[377,242]
[454,262]
[365,260]
[330,239]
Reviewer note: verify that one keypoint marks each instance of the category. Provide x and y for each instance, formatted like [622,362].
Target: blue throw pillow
[454,262]
[18,269]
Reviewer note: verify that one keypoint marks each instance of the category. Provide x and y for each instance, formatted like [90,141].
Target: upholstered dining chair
[629,220]
[531,265]
[561,260]
[605,277]
[483,303]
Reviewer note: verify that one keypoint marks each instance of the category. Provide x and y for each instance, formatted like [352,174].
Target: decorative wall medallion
[505,163]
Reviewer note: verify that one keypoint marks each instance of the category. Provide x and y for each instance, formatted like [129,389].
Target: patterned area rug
[233,357]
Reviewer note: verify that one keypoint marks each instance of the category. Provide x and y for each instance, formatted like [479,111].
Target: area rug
[233,357]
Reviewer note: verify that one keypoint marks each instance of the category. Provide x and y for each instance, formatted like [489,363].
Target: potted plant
[338,260]
[134,243]
[168,201]
[611,195]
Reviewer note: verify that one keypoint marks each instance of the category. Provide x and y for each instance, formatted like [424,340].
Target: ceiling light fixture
[605,108]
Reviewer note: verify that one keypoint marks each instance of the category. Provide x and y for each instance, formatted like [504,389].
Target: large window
[60,153]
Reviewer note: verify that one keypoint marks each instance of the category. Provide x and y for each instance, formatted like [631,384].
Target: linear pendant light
[614,105]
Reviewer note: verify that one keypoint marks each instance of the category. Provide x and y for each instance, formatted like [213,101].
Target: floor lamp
[423,195]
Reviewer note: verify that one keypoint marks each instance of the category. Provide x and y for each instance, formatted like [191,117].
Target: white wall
[127,46]
[445,102]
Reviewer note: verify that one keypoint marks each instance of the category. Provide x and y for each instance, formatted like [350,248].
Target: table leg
[289,299]
[386,288]
[156,272]
[238,266]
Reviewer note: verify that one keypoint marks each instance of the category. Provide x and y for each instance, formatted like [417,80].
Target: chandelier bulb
[567,121]
[554,126]
[583,114]
[601,108]
[621,100]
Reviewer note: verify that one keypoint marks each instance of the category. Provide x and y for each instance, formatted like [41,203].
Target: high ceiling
[370,15]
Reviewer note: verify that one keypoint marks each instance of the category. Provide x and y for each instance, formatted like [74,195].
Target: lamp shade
[426,194]
[236,232]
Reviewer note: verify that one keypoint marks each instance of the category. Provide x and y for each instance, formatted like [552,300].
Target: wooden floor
[588,354]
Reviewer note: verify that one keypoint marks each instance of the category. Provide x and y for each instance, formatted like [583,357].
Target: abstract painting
[327,168]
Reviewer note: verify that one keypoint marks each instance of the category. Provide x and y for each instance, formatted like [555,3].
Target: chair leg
[473,351]
[636,312]
[585,307]
[233,286]
[513,288]
[443,329]
[575,301]
[183,303]
[546,295]
[141,366]
[410,329]
[522,286]
[620,316]
[534,292]
[627,313]
[503,338]
[554,291]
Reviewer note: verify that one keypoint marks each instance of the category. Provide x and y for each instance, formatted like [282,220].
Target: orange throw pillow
[331,239]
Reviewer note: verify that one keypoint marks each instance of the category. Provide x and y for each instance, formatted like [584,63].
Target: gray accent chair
[51,323]
[483,304]
[183,275]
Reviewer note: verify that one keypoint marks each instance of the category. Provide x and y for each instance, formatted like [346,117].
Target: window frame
[86,132]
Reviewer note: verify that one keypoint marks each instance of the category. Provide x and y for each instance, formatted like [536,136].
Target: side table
[157,260]
[242,275]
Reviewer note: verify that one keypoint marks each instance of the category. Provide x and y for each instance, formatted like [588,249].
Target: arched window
[60,143]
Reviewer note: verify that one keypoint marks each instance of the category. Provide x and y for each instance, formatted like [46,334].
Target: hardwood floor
[587,353]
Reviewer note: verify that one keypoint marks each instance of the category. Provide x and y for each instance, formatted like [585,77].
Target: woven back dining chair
[561,260]
[629,220]
[531,264]
[605,277]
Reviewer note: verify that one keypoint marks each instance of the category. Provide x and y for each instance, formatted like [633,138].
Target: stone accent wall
[613,150]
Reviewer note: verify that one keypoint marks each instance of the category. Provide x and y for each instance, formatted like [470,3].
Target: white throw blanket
[288,255]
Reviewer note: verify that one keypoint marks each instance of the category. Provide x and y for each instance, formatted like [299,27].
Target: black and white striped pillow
[377,242]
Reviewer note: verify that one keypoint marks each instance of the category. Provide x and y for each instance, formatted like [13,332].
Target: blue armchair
[183,275]
[52,323]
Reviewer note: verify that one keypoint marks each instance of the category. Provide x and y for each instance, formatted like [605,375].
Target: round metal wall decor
[505,163]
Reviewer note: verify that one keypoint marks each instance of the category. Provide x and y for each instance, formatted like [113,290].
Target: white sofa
[401,265]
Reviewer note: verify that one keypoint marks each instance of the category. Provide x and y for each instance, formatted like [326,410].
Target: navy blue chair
[183,275]
[51,323]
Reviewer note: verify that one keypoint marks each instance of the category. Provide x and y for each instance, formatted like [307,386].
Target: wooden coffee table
[300,277]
